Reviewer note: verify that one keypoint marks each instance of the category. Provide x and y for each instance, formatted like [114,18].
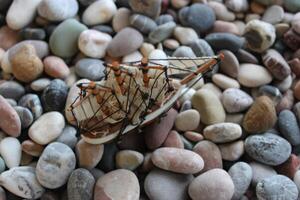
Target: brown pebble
[8,37]
[193,136]
[32,148]
[174,140]
[289,167]
[297,90]
[292,39]
[56,67]
[261,116]
[230,64]
[295,66]
[26,65]
[257,7]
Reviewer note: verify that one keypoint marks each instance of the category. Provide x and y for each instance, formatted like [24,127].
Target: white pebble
[11,151]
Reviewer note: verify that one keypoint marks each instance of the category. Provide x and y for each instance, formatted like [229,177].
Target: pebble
[56,67]
[22,182]
[88,155]
[224,82]
[174,139]
[162,32]
[221,11]
[25,116]
[237,5]
[41,48]
[272,92]
[221,41]
[177,160]
[132,57]
[246,57]
[209,107]
[125,42]
[232,151]
[121,180]
[32,148]
[121,19]
[201,48]
[99,12]
[193,136]
[235,100]
[80,185]
[225,27]
[10,122]
[93,43]
[33,103]
[26,65]
[129,159]
[11,90]
[241,174]
[91,69]
[211,185]
[156,133]
[276,64]
[171,44]
[187,120]
[184,51]
[268,148]
[261,116]
[259,35]
[152,8]
[47,127]
[33,34]
[277,187]
[260,172]
[222,132]
[2,166]
[210,153]
[58,10]
[175,185]
[68,136]
[273,15]
[54,95]
[288,126]
[21,13]
[143,23]
[292,5]
[8,37]
[10,150]
[246,79]
[179,3]
[289,167]
[185,35]
[164,18]
[107,162]
[58,159]
[63,40]
[189,16]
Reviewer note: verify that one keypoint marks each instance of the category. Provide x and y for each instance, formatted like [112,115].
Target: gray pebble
[12,102]
[33,34]
[92,69]
[276,187]
[202,48]
[270,91]
[50,195]
[288,126]
[104,28]
[162,32]
[80,185]
[143,23]
[268,148]
[220,41]
[162,19]
[68,136]
[184,51]
[245,57]
[273,15]
[55,95]
[25,115]
[12,90]
[33,103]
[40,84]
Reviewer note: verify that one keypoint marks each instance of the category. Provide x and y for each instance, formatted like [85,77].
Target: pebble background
[235,135]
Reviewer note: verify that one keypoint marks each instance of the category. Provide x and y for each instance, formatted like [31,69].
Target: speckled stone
[232,151]
[222,132]
[25,115]
[143,23]
[235,100]
[152,8]
[33,103]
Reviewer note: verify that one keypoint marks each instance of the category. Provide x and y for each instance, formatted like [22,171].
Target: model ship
[134,94]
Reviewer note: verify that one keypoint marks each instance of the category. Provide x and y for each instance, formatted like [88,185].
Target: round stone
[31,148]
[162,32]
[201,48]
[55,165]
[268,148]
[184,51]
[47,127]
[93,43]
[232,151]
[273,15]
[288,126]
[175,185]
[80,184]
[58,10]
[55,95]
[125,42]
[152,8]
[91,69]
[209,107]
[189,16]
[246,78]
[63,40]
[33,103]
[230,64]
[11,90]
[25,115]
[292,5]
[129,159]
[121,19]
[235,100]
[187,120]
[225,82]
[22,181]
[259,35]
[237,5]
[226,27]
[143,23]
[260,172]
[221,11]
[177,160]
[88,155]
[185,35]
[211,185]
[8,37]
[11,151]
[68,136]
[56,67]
[41,48]
[26,65]
[278,186]
[99,12]
[222,132]
[121,180]
[261,116]
[10,122]
[174,139]
[221,41]
[210,153]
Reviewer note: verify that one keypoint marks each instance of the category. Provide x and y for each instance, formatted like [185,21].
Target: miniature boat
[133,94]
